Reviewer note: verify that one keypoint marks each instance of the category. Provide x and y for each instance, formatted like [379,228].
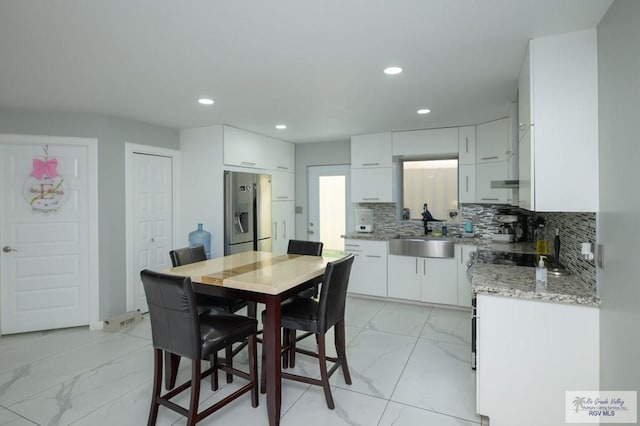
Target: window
[434,182]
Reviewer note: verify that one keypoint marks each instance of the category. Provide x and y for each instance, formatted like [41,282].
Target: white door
[49,259]
[153,217]
[330,209]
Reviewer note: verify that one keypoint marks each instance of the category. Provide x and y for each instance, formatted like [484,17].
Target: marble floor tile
[141,329]
[376,361]
[438,377]
[24,348]
[449,326]
[359,311]
[400,319]
[32,378]
[352,408]
[7,418]
[78,396]
[405,415]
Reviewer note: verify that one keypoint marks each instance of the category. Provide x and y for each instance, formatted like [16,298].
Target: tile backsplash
[575,228]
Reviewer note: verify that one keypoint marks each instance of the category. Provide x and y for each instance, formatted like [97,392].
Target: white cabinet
[485,173]
[369,270]
[371,150]
[531,348]
[467,183]
[440,281]
[283,185]
[558,110]
[421,143]
[283,227]
[280,155]
[372,185]
[492,141]
[403,280]
[243,148]
[464,285]
[467,145]
[423,279]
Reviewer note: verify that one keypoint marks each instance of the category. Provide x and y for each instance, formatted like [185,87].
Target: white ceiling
[313,65]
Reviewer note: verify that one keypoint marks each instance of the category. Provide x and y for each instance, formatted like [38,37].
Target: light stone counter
[386,236]
[519,282]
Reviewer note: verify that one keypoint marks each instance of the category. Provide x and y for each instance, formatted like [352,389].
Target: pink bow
[42,168]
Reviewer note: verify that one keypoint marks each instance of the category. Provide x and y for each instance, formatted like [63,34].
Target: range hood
[509,184]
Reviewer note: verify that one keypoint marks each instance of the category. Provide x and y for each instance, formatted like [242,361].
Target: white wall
[112,133]
[315,154]
[619,115]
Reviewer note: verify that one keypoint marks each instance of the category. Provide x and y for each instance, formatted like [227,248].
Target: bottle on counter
[540,238]
[541,275]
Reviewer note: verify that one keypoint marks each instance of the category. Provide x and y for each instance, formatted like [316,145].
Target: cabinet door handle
[372,255]
[467,179]
[282,197]
[370,164]
[467,142]
[247,163]
[370,198]
[282,167]
[489,158]
[284,229]
[275,231]
[416,266]
[489,199]
[424,267]
[461,260]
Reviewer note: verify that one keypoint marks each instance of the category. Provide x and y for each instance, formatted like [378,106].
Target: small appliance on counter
[512,228]
[364,220]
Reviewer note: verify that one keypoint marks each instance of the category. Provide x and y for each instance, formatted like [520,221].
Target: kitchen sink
[422,247]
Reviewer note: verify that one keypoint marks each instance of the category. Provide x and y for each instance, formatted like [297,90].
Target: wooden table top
[255,271]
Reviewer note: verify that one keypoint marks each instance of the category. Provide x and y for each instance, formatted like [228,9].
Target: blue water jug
[200,237]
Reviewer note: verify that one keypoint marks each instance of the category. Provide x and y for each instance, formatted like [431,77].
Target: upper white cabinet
[373,185]
[280,155]
[283,185]
[558,111]
[421,143]
[371,150]
[467,183]
[243,148]
[493,142]
[372,169]
[487,172]
[467,145]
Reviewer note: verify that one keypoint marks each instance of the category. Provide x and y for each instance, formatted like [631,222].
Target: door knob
[310,231]
[8,249]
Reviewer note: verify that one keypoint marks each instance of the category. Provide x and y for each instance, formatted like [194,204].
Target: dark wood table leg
[272,347]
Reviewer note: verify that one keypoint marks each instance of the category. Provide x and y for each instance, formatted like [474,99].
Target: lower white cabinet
[369,270]
[529,353]
[464,285]
[423,279]
[283,226]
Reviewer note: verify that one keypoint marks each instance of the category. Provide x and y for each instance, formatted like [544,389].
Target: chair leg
[229,360]
[339,330]
[285,345]
[195,393]
[171,365]
[214,374]
[292,348]
[157,385]
[322,358]
[253,369]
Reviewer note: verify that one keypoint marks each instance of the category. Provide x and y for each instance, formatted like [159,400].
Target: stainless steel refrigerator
[247,212]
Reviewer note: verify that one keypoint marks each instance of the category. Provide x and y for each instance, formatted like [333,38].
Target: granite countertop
[519,282]
[386,236]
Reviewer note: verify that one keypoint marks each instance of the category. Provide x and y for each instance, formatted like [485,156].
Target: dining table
[261,277]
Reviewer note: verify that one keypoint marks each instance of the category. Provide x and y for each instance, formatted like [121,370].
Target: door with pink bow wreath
[45,190]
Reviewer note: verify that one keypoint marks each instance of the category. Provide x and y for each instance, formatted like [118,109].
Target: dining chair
[204,302]
[178,328]
[317,316]
[308,248]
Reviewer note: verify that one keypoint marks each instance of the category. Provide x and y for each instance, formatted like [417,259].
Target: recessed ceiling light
[281,126]
[205,101]
[423,111]
[392,70]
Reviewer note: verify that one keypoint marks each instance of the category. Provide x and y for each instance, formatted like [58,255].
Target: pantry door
[150,176]
[48,232]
